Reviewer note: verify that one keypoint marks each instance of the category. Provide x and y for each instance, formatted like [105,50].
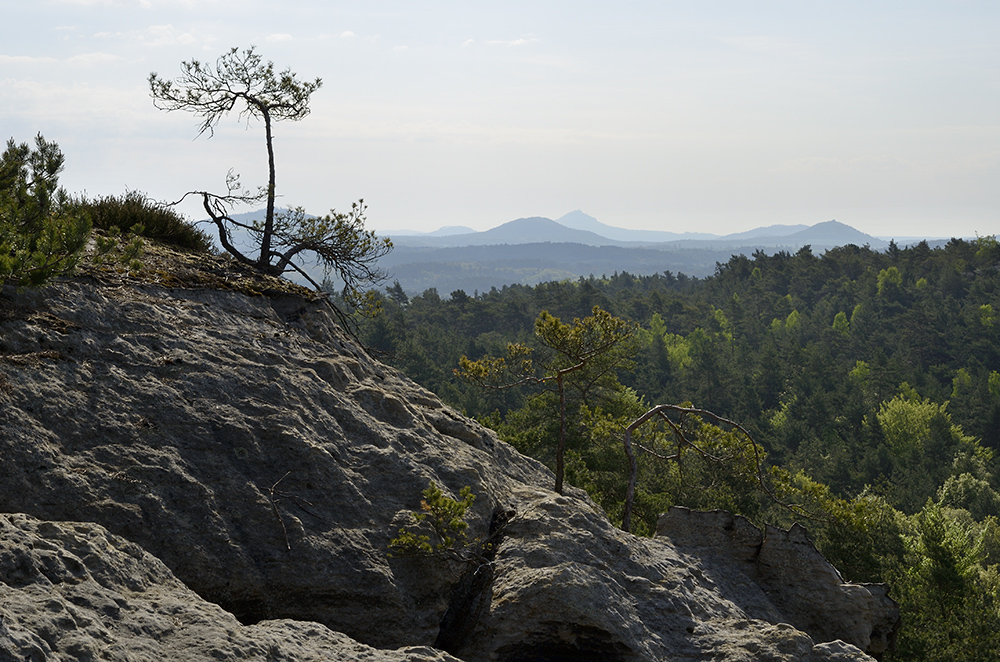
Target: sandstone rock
[244,442]
[568,585]
[266,461]
[72,591]
[804,588]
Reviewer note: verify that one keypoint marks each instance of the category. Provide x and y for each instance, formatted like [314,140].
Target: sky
[705,115]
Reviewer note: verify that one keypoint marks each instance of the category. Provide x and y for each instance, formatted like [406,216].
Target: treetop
[211,92]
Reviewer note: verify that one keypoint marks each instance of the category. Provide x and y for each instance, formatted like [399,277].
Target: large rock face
[72,591]
[245,443]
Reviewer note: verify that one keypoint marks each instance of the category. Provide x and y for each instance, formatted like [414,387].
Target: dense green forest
[869,379]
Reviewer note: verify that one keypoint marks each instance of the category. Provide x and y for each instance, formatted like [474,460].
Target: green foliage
[39,239]
[133,212]
[445,519]
[906,421]
[840,323]
[968,492]
[338,242]
[210,93]
[948,597]
[889,280]
[863,538]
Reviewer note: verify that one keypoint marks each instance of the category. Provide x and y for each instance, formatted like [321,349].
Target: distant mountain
[579,228]
[240,238]
[520,231]
[832,233]
[536,249]
[440,232]
[480,268]
[769,231]
[580,221]
[829,234]
[451,229]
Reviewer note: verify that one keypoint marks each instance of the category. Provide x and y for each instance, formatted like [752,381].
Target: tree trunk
[265,240]
[561,448]
[633,475]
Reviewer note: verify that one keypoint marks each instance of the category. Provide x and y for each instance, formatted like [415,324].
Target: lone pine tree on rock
[242,80]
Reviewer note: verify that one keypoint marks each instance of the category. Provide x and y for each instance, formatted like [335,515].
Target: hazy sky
[711,116]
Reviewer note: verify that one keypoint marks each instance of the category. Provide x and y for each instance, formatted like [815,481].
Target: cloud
[73,107]
[85,59]
[468,42]
[154,35]
[25,59]
[400,48]
[142,4]
[90,59]
[346,34]
[866,163]
[162,35]
[812,164]
[283,36]
[523,41]
[879,163]
[89,3]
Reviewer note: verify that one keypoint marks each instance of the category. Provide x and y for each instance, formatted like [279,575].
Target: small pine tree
[40,238]
[446,519]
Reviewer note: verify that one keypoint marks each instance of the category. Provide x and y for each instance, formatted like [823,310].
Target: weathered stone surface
[267,462]
[568,585]
[72,591]
[242,441]
[804,588]
[836,651]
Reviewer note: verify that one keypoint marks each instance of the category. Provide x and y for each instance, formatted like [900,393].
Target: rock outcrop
[244,442]
[73,591]
[802,585]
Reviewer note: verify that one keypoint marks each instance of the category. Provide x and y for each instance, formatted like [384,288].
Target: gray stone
[264,461]
[71,591]
[803,586]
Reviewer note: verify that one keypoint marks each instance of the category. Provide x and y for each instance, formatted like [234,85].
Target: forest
[864,387]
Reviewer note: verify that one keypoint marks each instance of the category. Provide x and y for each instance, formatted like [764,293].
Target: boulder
[803,586]
[73,591]
[244,442]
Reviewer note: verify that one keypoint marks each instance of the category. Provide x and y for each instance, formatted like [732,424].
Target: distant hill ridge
[577,227]
[528,251]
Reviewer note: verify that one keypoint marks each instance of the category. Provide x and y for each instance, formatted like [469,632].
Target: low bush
[157,221]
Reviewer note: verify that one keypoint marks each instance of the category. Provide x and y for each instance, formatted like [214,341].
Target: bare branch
[661,411]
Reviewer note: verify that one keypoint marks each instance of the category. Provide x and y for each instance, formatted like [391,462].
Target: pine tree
[40,237]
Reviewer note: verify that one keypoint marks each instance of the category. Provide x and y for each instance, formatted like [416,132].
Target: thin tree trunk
[561,448]
[633,474]
[265,242]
